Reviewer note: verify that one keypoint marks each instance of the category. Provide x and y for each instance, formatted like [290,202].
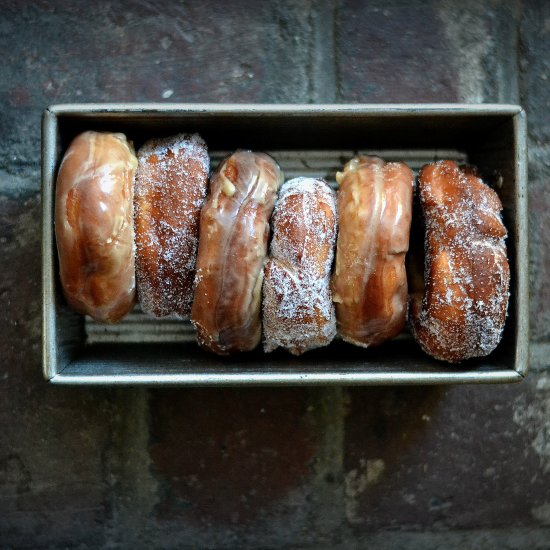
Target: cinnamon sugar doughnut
[171,183]
[462,311]
[369,284]
[94,225]
[298,313]
[234,231]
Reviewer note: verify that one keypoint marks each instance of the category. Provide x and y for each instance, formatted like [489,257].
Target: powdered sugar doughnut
[369,284]
[234,231]
[298,313]
[171,183]
[462,311]
[94,225]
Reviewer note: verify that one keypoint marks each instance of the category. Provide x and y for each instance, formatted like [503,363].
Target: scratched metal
[141,350]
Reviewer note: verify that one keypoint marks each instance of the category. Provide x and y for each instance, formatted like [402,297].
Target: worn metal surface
[321,137]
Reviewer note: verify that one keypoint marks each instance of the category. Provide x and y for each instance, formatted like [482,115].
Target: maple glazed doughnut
[369,284]
[234,230]
[462,311]
[298,313]
[171,183]
[94,225]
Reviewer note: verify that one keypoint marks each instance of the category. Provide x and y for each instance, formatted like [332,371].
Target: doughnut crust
[171,183]
[94,225]
[298,313]
[369,284]
[234,230]
[462,311]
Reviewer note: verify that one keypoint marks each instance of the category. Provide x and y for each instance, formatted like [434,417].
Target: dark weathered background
[460,467]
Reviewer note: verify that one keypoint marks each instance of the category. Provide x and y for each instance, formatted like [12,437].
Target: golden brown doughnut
[94,225]
[298,313]
[171,183]
[234,231]
[369,284]
[462,311]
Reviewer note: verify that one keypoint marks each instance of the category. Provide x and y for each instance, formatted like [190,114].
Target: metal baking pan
[306,140]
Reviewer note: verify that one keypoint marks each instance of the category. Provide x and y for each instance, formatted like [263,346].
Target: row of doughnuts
[335,261]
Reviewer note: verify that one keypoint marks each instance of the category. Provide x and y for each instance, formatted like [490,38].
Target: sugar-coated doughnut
[234,230]
[171,184]
[94,225]
[462,311]
[369,284]
[298,313]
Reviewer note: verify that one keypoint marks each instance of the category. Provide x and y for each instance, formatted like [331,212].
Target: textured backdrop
[460,467]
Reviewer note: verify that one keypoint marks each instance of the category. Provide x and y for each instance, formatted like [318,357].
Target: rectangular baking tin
[493,137]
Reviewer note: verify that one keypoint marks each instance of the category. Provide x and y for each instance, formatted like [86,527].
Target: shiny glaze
[94,225]
[234,230]
[369,284]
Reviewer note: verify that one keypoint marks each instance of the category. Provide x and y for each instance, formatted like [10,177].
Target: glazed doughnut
[462,311]
[369,284]
[171,183]
[234,230]
[94,225]
[298,313]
